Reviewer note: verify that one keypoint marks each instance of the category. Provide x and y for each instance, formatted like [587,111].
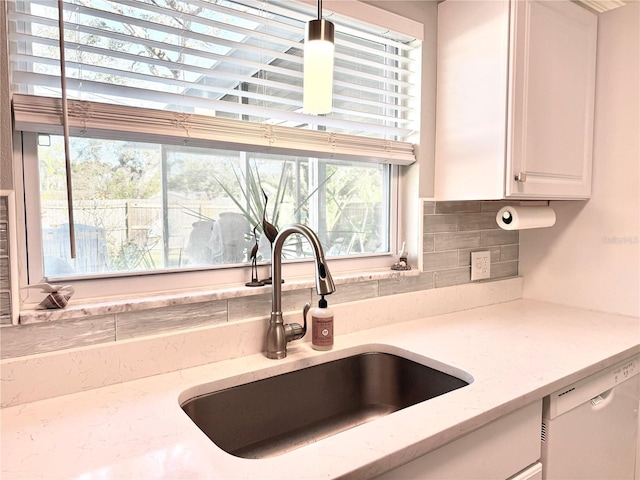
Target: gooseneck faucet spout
[278,334]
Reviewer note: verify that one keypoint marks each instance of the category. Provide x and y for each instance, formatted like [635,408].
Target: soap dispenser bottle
[322,326]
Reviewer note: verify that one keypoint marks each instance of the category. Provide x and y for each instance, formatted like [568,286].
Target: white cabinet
[505,448]
[515,100]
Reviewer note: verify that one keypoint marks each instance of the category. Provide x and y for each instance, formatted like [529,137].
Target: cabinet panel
[552,99]
[498,450]
[472,67]
[515,98]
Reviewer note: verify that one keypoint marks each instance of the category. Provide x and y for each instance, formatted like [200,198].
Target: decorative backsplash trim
[122,305]
[43,331]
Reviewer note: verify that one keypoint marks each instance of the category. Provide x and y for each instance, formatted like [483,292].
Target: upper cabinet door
[551,98]
[472,81]
[515,97]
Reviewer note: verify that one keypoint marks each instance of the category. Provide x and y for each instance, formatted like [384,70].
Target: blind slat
[238,58]
[355,71]
[204,73]
[389,105]
[198,90]
[203,104]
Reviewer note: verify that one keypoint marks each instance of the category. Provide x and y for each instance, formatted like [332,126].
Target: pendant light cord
[65,129]
[319,9]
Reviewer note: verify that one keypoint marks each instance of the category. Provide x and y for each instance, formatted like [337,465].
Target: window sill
[167,299]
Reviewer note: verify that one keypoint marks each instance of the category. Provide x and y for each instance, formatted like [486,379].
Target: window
[145,206]
[185,117]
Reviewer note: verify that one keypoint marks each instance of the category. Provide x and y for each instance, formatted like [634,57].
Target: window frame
[140,284]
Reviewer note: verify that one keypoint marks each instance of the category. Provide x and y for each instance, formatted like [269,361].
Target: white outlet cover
[480,265]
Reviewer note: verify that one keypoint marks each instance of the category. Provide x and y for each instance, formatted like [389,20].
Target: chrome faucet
[279,334]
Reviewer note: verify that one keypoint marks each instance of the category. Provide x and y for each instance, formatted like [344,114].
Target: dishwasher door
[590,427]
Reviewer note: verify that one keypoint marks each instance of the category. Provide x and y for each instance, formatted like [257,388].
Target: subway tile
[459,207]
[165,319]
[5,274]
[440,223]
[504,269]
[5,301]
[260,305]
[4,209]
[428,243]
[509,252]
[5,307]
[20,340]
[4,239]
[478,221]
[464,255]
[440,260]
[499,237]
[392,286]
[348,292]
[429,208]
[453,241]
[454,276]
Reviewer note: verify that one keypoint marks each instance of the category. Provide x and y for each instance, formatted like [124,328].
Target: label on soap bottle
[322,332]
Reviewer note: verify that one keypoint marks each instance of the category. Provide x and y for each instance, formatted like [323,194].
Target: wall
[591,257]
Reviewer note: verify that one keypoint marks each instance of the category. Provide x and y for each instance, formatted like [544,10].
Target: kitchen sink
[274,415]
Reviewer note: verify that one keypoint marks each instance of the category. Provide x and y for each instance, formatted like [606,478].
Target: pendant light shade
[318,65]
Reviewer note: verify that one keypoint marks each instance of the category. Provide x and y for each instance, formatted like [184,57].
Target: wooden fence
[110,231]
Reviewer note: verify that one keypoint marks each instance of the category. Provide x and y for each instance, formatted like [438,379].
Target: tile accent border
[123,305]
[45,331]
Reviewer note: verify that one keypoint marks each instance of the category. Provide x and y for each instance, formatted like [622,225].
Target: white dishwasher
[590,428]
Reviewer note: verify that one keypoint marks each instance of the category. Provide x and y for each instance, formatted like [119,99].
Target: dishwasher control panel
[595,386]
[625,371]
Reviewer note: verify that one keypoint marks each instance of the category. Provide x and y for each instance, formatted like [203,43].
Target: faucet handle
[295,331]
[305,310]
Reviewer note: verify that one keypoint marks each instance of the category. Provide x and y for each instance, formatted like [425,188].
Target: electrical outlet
[480,265]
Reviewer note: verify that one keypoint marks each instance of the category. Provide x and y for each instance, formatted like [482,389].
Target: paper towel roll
[519,218]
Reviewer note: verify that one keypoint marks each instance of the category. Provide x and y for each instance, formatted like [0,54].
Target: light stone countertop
[516,353]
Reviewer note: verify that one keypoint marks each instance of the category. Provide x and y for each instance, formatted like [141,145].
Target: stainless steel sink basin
[269,417]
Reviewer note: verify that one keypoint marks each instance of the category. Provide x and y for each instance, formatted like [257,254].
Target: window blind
[239,61]
[92,119]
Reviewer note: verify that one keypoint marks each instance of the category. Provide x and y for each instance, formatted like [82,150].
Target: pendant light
[318,65]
